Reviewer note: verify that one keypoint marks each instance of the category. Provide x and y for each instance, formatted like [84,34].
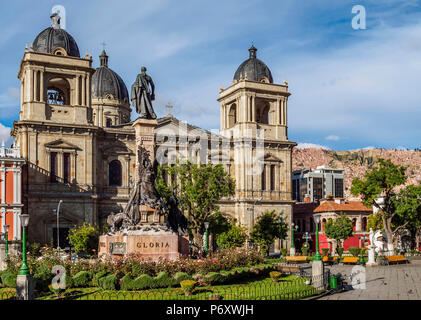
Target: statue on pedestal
[142,95]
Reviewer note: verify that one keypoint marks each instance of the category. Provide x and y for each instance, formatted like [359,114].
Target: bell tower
[55,81]
[253,113]
[254,102]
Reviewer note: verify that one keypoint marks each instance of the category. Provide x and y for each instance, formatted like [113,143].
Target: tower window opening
[114,173]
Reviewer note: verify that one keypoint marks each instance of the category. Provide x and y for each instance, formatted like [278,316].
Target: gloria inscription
[147,245]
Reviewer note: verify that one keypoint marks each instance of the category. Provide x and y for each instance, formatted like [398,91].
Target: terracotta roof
[329,206]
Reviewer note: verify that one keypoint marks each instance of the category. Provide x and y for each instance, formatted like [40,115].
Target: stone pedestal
[145,245]
[24,287]
[317,274]
[292,252]
[145,137]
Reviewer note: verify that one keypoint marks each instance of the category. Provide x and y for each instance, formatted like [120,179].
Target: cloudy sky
[350,88]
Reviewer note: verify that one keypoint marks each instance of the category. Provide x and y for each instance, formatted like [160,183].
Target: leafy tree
[234,237]
[382,181]
[408,209]
[194,189]
[267,228]
[84,238]
[375,221]
[339,229]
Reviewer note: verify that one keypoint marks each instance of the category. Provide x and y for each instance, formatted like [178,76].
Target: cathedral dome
[108,84]
[54,40]
[253,69]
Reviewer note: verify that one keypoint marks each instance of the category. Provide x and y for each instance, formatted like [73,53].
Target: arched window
[55,96]
[262,112]
[108,122]
[232,115]
[58,91]
[354,223]
[364,224]
[323,224]
[114,173]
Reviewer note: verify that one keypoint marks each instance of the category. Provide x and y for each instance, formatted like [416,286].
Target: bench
[352,260]
[296,259]
[397,259]
[330,260]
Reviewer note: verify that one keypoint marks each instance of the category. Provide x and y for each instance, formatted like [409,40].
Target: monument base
[145,246]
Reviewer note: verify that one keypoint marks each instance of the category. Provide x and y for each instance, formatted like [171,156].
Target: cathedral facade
[76,135]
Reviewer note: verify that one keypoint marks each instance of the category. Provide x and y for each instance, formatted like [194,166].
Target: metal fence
[282,290]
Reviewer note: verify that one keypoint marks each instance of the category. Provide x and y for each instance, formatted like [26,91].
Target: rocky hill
[357,162]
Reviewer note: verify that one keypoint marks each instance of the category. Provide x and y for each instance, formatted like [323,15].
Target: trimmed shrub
[180,276]
[340,251]
[283,252]
[9,279]
[162,280]
[355,251]
[126,282]
[325,252]
[98,276]
[216,278]
[144,281]
[188,286]
[275,275]
[82,279]
[109,282]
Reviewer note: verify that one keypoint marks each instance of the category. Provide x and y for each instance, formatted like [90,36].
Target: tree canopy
[267,228]
[339,229]
[195,190]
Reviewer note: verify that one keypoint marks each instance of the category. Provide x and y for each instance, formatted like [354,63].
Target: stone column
[83,91]
[317,274]
[77,86]
[31,85]
[145,137]
[41,91]
[253,108]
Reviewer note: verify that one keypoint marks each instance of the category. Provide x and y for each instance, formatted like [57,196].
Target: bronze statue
[144,193]
[142,95]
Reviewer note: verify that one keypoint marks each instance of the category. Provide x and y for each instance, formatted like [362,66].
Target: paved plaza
[395,282]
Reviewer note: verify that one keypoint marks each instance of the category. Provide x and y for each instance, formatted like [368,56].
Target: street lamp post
[24,219]
[317,256]
[306,237]
[293,229]
[58,225]
[6,237]
[206,236]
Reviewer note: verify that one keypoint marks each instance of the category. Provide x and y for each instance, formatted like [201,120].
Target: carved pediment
[61,144]
[116,148]
[271,157]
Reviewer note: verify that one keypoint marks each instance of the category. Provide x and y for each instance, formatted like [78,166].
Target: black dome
[106,82]
[54,37]
[253,68]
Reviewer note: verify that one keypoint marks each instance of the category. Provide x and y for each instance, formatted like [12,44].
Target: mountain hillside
[357,162]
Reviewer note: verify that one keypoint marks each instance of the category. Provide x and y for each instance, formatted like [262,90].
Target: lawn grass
[289,287]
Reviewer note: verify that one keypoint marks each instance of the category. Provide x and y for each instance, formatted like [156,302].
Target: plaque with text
[118,248]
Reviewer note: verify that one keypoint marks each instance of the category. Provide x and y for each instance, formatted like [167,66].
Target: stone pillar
[24,287]
[41,90]
[371,256]
[317,274]
[145,137]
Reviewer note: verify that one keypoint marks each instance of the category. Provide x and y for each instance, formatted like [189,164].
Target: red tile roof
[332,206]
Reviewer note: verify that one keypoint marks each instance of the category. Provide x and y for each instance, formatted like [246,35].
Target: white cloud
[306,145]
[332,138]
[5,135]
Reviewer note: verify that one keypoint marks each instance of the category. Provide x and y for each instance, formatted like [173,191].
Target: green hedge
[109,282]
[8,279]
[82,279]
[98,276]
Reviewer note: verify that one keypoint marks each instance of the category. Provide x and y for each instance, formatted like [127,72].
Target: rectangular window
[264,177]
[339,188]
[317,189]
[294,190]
[303,189]
[66,167]
[53,167]
[272,177]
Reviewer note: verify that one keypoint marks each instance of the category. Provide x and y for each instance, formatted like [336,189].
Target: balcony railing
[13,152]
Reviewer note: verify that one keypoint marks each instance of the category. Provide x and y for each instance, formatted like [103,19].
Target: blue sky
[350,88]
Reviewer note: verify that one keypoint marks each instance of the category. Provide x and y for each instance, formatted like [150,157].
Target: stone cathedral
[76,135]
